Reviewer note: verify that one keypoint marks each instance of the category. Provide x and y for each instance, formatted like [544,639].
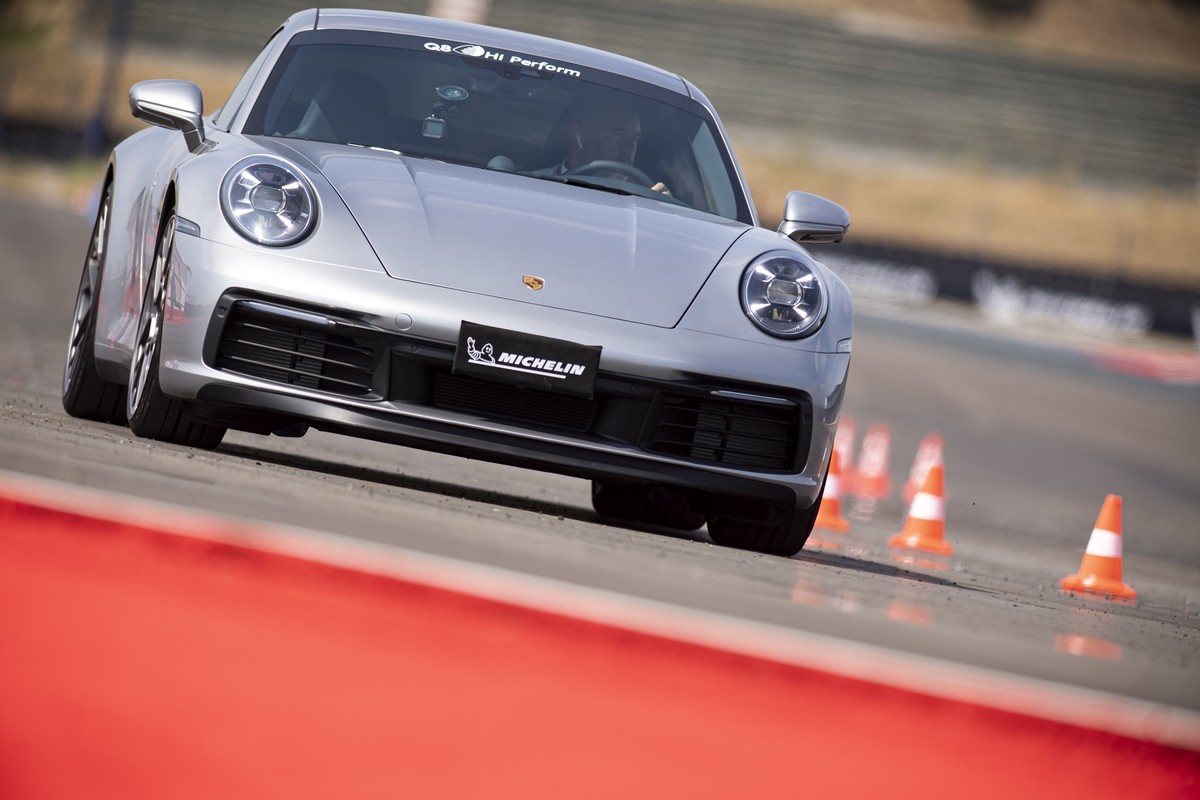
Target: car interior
[468,111]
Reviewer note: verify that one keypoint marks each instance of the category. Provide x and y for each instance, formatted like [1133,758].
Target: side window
[224,117]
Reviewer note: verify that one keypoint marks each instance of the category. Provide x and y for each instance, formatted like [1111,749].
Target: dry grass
[1142,34]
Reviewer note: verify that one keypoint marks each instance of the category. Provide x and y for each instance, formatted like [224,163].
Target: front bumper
[354,351]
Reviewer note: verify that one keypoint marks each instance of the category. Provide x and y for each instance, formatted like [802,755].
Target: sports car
[474,241]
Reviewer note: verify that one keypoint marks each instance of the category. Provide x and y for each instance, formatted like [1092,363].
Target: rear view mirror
[809,219]
[171,104]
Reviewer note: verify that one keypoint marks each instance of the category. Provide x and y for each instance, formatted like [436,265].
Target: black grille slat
[288,353]
[782,431]
[296,372]
[746,435]
[278,349]
[343,344]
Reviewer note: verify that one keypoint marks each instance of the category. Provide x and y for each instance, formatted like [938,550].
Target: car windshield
[510,112]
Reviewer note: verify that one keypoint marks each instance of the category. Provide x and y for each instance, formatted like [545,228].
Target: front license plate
[522,359]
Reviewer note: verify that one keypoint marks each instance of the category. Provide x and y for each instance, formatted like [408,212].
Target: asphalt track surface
[1036,435]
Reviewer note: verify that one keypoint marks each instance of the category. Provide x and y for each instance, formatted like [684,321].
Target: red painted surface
[142,664]
[1167,366]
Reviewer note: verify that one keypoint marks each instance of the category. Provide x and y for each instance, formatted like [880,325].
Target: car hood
[484,232]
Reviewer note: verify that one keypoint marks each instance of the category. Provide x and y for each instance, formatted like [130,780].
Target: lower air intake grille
[282,350]
[743,435]
[504,403]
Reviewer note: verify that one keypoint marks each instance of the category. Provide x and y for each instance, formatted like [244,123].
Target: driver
[602,131]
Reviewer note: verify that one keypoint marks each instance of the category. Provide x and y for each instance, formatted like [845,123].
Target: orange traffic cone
[1100,572]
[871,479]
[929,452]
[926,523]
[829,515]
[843,443]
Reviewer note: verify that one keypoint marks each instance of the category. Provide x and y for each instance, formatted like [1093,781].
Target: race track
[1036,434]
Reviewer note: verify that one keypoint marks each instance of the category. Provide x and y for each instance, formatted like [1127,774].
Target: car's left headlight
[782,294]
[268,200]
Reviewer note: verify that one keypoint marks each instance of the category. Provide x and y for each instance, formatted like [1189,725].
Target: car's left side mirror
[171,104]
[809,219]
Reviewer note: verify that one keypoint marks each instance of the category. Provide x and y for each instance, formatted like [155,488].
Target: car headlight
[268,201]
[782,295]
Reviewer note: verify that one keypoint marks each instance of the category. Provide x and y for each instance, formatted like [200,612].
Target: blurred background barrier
[1015,293]
[1056,138]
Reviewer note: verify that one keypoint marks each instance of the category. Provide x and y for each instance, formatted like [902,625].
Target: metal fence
[808,79]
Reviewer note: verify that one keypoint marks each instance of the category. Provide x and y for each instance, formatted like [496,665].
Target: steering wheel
[628,170]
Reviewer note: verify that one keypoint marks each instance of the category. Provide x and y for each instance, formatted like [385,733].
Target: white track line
[1087,708]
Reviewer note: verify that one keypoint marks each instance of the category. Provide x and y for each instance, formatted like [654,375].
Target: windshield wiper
[634,190]
[578,180]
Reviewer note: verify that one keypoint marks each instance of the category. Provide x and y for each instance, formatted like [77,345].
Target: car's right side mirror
[171,104]
[809,219]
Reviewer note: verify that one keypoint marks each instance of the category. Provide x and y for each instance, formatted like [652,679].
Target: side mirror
[808,218]
[171,104]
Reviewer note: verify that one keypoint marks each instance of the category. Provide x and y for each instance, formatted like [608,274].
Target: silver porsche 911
[474,241]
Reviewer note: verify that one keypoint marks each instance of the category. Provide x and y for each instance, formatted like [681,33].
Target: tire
[785,537]
[151,413]
[649,504]
[84,393]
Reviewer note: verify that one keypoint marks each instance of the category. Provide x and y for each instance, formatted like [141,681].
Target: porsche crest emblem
[533,282]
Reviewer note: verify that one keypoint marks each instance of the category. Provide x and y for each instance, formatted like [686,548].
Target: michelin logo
[477,51]
[483,356]
[519,362]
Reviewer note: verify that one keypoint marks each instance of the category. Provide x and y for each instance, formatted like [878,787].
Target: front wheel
[783,537]
[151,413]
[649,504]
[84,393]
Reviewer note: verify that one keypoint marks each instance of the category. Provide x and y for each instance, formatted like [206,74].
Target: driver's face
[611,137]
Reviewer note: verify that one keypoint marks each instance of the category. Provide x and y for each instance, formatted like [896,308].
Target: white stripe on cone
[928,506]
[1104,543]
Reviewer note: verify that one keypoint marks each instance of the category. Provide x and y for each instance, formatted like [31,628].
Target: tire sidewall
[150,396]
[84,393]
[77,371]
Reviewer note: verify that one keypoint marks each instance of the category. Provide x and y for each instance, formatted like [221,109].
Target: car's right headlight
[268,200]
[783,296]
